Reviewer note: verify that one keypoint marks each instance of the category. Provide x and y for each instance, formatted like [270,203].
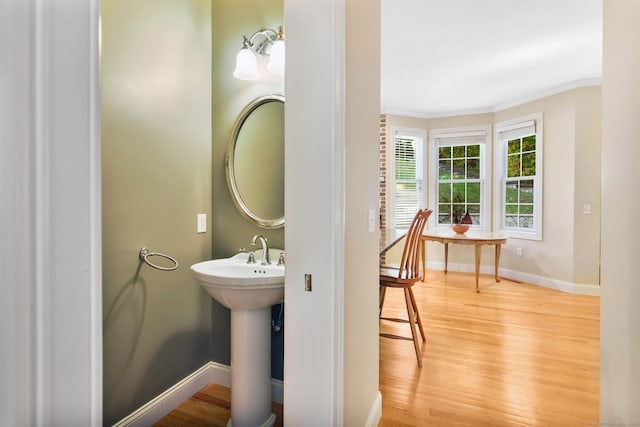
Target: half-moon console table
[478,239]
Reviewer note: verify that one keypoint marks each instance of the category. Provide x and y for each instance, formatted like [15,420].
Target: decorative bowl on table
[459,228]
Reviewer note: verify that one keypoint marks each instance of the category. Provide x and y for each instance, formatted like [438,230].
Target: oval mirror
[255,162]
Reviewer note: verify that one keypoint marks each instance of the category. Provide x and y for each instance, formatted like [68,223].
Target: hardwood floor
[211,406]
[512,355]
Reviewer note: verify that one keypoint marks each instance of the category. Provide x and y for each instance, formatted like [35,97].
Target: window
[407,188]
[461,164]
[519,177]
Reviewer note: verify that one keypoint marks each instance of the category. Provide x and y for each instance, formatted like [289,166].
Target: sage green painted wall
[156,171]
[231,20]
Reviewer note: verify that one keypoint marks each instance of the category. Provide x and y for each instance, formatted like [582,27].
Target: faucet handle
[252,256]
[281,259]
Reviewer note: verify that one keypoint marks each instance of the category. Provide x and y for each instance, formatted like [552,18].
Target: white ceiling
[448,57]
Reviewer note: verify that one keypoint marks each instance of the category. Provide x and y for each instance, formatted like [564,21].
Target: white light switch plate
[372,220]
[202,223]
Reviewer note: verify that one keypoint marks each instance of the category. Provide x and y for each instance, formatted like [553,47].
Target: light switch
[586,209]
[372,220]
[202,223]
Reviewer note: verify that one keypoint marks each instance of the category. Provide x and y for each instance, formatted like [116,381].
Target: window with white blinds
[408,173]
[461,171]
[519,177]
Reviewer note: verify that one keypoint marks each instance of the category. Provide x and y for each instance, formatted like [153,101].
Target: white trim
[500,176]
[42,214]
[170,399]
[338,209]
[18,305]
[95,206]
[485,167]
[596,81]
[392,132]
[576,84]
[221,375]
[173,397]
[64,178]
[518,276]
[375,413]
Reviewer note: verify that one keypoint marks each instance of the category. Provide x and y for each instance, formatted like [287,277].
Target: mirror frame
[229,166]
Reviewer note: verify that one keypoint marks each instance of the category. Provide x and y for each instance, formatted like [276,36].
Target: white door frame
[315,211]
[51,228]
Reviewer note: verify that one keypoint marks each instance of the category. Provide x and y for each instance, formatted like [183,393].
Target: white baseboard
[221,375]
[161,405]
[170,399]
[545,282]
[376,412]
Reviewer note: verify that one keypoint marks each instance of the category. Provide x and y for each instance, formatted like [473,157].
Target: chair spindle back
[410,263]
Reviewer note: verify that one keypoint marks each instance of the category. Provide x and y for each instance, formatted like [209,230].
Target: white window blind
[518,204]
[461,138]
[408,179]
[517,130]
[459,159]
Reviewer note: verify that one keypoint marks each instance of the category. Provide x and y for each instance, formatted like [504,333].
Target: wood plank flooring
[512,355]
[211,406]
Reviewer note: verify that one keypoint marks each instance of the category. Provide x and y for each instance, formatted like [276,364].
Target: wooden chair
[404,277]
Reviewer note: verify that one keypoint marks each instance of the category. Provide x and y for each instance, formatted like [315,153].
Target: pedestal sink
[249,291]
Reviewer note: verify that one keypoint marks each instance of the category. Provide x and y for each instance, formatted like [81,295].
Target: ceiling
[450,57]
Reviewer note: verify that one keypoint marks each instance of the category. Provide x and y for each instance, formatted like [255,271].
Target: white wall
[620,295]
[569,251]
[587,191]
[361,194]
[553,256]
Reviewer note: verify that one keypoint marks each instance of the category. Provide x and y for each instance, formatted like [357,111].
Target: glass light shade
[276,62]
[246,65]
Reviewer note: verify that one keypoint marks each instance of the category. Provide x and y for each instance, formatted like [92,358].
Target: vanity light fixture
[272,46]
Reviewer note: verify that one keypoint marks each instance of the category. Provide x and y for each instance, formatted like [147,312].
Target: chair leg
[383,292]
[407,298]
[415,309]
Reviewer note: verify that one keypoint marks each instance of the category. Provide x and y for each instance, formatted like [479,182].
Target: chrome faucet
[265,248]
[251,258]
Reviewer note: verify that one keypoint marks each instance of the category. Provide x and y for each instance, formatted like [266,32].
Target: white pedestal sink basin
[249,290]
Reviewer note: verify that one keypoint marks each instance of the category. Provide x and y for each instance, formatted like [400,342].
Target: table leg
[446,256]
[478,250]
[498,247]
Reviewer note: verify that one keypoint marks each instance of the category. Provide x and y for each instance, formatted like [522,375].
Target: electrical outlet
[586,209]
[519,251]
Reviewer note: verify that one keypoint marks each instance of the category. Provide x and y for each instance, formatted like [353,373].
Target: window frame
[481,131]
[394,132]
[518,126]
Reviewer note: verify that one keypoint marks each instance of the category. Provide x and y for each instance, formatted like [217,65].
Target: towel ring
[145,254]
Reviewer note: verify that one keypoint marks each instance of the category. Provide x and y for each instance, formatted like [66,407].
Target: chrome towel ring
[145,254]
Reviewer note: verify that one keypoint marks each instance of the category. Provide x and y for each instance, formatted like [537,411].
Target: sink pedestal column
[251,368]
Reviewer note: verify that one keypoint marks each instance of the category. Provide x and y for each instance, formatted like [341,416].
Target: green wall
[231,20]
[156,171]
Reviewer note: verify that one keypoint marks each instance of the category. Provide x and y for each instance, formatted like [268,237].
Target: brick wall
[383,171]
